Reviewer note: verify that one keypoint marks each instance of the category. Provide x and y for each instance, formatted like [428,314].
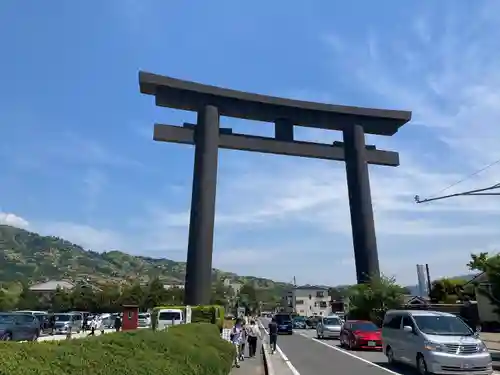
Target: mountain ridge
[25,254]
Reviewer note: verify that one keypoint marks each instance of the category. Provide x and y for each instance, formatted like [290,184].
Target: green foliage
[371,301]
[193,349]
[490,265]
[108,299]
[27,257]
[448,290]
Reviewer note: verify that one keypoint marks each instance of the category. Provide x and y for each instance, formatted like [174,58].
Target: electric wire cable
[483,191]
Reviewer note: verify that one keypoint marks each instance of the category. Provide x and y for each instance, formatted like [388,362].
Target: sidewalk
[250,366]
[492,342]
[276,363]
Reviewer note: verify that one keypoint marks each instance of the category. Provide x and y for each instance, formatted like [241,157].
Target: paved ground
[74,336]
[306,355]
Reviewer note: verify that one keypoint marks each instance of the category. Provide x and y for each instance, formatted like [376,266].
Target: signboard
[188,314]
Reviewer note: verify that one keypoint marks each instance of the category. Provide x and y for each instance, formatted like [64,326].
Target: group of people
[241,334]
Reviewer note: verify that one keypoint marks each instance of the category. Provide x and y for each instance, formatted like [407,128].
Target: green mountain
[35,258]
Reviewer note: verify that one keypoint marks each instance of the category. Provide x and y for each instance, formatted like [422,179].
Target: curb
[268,366]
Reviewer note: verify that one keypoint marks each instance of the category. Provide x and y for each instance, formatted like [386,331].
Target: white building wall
[310,302]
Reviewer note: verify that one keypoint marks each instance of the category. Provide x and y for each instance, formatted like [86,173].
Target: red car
[360,334]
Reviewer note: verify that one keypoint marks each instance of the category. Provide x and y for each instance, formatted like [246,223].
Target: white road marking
[283,356]
[350,354]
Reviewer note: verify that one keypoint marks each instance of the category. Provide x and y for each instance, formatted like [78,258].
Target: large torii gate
[211,102]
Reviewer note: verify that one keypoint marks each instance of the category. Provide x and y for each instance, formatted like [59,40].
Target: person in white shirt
[253,333]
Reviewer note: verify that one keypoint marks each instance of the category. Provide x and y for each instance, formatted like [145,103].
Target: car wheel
[390,355]
[352,344]
[421,365]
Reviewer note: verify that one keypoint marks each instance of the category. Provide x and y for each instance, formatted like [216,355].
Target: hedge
[199,314]
[189,349]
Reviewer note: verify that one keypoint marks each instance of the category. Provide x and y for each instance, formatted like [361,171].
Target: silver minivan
[434,342]
[68,322]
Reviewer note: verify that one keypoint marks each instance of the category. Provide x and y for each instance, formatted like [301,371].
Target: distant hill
[28,255]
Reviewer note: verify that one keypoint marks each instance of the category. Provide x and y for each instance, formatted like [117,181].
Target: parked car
[299,322]
[329,327]
[144,320]
[42,316]
[312,321]
[68,321]
[434,342]
[360,334]
[284,322]
[19,327]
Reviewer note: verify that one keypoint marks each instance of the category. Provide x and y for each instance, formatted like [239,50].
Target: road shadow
[398,368]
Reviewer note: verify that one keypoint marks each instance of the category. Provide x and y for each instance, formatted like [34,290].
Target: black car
[284,322]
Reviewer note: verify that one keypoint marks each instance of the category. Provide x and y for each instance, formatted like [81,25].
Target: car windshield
[169,315]
[331,321]
[62,318]
[282,319]
[143,316]
[364,327]
[442,325]
[299,319]
[6,319]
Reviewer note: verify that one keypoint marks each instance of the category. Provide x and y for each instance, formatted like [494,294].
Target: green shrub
[192,349]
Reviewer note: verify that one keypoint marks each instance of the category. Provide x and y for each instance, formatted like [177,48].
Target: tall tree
[490,265]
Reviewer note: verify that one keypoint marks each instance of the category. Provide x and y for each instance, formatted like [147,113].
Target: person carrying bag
[253,333]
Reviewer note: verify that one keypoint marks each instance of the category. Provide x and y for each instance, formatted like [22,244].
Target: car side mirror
[408,329]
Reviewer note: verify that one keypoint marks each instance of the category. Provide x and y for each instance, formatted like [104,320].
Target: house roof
[311,287]
[52,285]
[410,300]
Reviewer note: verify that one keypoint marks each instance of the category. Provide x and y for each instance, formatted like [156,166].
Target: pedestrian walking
[236,337]
[273,334]
[100,325]
[85,324]
[118,323]
[253,333]
[52,323]
[92,327]
[244,337]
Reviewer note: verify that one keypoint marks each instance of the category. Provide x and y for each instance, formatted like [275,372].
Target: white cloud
[13,220]
[443,65]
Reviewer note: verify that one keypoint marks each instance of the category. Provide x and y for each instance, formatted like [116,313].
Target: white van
[434,342]
[168,317]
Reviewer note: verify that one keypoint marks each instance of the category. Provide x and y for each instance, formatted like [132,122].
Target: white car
[329,327]
[144,320]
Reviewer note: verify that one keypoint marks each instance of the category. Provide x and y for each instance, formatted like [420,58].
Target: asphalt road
[307,355]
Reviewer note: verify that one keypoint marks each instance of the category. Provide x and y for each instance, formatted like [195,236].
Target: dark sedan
[284,322]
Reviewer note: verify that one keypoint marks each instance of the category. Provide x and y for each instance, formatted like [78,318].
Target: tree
[61,301]
[371,301]
[7,300]
[447,290]
[156,294]
[247,297]
[490,265]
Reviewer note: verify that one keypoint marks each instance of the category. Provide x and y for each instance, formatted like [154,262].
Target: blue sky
[78,159]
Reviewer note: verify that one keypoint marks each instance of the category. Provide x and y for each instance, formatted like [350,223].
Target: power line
[484,191]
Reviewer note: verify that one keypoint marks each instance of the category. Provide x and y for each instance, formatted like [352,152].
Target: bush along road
[190,349]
